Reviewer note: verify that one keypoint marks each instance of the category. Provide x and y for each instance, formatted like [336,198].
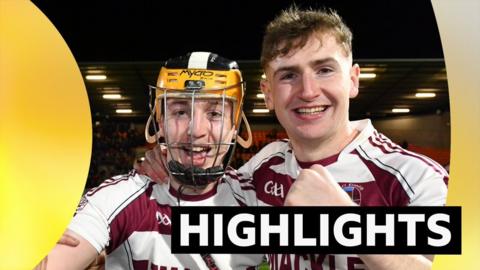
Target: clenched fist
[316,187]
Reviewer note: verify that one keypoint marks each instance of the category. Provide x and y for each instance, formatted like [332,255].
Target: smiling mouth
[196,150]
[312,110]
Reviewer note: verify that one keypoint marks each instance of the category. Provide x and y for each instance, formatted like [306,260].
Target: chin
[309,134]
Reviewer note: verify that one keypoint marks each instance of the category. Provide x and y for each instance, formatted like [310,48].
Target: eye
[215,115]
[325,71]
[178,110]
[179,113]
[287,76]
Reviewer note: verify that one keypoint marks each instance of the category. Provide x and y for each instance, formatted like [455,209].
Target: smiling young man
[328,159]
[313,87]
[198,105]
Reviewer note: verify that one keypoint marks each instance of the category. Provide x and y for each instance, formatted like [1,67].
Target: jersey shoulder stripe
[110,181]
[242,190]
[275,149]
[422,179]
[401,154]
[375,159]
[390,147]
[112,197]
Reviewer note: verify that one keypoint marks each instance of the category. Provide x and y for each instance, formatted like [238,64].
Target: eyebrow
[316,62]
[177,102]
[214,104]
[323,61]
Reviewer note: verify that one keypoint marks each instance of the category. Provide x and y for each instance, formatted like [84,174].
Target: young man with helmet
[198,108]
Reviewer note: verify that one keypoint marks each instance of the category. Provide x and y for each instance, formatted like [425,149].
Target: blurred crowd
[260,139]
[113,151]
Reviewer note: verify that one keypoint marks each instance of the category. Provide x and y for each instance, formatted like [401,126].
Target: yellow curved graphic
[45,134]
[458,23]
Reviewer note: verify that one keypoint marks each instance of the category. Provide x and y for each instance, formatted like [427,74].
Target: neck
[313,150]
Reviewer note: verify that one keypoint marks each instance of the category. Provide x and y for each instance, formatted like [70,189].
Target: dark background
[156,30]
[129,40]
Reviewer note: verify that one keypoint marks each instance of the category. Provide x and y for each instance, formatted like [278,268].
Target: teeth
[311,110]
[197,149]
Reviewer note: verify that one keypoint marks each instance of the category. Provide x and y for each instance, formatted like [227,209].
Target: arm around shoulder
[68,257]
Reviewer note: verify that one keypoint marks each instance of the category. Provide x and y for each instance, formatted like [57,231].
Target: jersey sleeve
[247,169]
[431,190]
[426,181]
[95,218]
[90,223]
[270,151]
[242,188]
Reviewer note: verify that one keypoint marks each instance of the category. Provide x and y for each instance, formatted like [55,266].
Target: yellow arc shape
[45,135]
[459,23]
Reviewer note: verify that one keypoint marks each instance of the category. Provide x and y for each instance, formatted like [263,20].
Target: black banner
[333,230]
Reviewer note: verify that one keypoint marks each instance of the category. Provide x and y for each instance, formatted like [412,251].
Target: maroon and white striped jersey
[129,217]
[371,169]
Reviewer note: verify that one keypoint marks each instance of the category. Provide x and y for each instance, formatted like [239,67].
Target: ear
[267,91]
[354,80]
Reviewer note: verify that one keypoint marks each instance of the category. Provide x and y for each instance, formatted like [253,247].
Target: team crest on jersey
[354,191]
[274,188]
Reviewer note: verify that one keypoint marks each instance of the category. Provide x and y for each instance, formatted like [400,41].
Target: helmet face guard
[198,111]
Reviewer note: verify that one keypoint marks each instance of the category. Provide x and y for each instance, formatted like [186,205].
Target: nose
[309,88]
[198,125]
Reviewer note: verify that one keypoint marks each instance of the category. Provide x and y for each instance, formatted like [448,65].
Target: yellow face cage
[206,83]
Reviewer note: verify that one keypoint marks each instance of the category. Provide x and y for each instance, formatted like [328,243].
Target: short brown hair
[292,28]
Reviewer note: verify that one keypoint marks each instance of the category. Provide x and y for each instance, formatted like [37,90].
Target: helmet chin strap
[200,178]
